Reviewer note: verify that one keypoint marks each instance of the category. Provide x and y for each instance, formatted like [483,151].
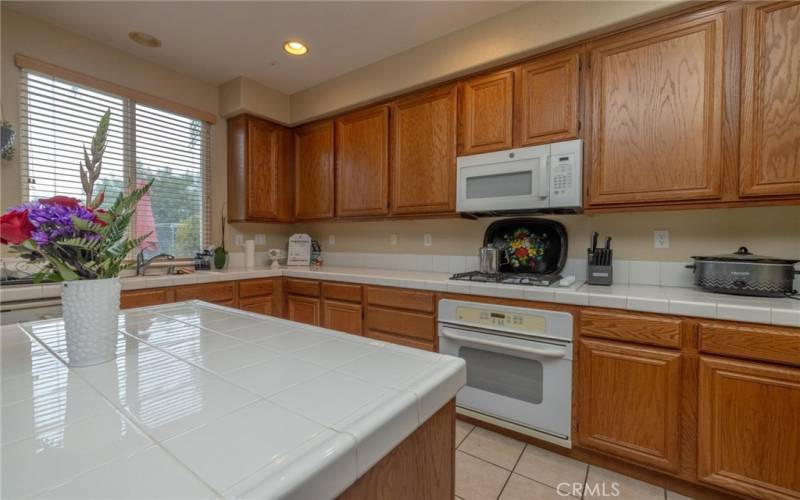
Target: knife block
[597,274]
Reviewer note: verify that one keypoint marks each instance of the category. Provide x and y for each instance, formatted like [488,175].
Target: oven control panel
[517,321]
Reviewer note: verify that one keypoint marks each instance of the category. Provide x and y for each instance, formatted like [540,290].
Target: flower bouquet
[83,246]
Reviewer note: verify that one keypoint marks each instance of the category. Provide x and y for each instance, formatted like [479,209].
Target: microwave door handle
[544,181]
[547,353]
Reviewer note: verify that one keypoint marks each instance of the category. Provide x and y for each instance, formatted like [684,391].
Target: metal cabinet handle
[547,353]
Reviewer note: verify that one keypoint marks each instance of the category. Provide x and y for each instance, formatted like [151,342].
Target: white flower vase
[91,310]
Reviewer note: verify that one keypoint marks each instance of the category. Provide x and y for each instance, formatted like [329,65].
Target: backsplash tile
[644,272]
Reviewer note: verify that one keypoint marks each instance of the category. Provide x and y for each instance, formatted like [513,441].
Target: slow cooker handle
[692,266]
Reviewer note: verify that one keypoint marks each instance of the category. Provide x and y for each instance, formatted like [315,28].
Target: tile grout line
[522,452]
[585,480]
[458,446]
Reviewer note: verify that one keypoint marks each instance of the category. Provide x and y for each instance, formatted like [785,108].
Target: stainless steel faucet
[142,263]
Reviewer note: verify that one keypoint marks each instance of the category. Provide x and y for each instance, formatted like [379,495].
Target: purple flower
[53,221]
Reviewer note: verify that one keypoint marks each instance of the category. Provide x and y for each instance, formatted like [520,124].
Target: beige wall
[768,230]
[32,37]
[242,95]
[526,30]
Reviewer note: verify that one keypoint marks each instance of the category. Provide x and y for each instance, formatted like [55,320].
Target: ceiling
[218,41]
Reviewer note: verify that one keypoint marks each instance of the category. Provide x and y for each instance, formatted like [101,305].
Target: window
[59,117]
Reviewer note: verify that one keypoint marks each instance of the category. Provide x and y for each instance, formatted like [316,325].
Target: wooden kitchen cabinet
[424,152]
[304,309]
[629,402]
[143,298]
[218,293]
[259,171]
[314,171]
[486,113]
[656,112]
[749,440]
[260,305]
[362,163]
[547,102]
[342,316]
[770,97]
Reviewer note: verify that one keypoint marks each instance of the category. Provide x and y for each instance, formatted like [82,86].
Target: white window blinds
[58,117]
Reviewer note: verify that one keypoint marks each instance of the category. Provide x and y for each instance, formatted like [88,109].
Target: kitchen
[669,128]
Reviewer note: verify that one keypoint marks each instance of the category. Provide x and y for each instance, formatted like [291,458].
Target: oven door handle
[547,353]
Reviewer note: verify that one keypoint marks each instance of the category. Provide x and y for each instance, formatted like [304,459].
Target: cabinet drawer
[401,299]
[409,324]
[216,292]
[308,288]
[396,339]
[143,298]
[339,291]
[260,305]
[639,328]
[256,288]
[763,343]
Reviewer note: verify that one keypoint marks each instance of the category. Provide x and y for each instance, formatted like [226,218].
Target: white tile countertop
[678,300]
[205,401]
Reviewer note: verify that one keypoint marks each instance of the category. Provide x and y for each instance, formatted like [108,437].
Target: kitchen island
[208,401]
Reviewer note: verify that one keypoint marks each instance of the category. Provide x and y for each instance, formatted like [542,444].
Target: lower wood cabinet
[143,298]
[749,432]
[303,309]
[218,293]
[260,305]
[342,316]
[629,402]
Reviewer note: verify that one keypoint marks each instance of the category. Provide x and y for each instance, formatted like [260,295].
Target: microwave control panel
[565,174]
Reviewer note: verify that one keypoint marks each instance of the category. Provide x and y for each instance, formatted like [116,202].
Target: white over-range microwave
[546,178]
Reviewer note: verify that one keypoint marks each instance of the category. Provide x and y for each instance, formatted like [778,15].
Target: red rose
[15,227]
[521,252]
[61,200]
[97,212]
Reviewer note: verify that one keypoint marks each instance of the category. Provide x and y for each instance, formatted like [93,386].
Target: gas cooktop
[509,278]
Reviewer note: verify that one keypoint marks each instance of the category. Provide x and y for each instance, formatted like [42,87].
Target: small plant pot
[220,258]
[91,310]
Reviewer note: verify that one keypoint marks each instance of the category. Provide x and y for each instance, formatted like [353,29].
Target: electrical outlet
[427,239]
[261,239]
[393,240]
[332,240]
[661,239]
[239,240]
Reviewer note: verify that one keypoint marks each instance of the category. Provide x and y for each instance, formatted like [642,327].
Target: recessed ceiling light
[144,39]
[295,48]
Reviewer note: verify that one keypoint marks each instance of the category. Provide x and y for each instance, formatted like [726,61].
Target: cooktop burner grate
[508,278]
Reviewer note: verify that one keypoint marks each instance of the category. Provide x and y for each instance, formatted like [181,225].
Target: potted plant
[220,254]
[83,246]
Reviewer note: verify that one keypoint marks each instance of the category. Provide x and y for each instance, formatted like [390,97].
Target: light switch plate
[332,239]
[261,239]
[427,239]
[239,240]
[393,240]
[661,239]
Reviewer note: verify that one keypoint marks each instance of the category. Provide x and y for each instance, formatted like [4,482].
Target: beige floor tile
[671,495]
[478,480]
[601,483]
[493,447]
[550,468]
[522,488]
[462,429]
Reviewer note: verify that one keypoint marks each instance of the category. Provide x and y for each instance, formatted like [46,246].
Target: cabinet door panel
[314,171]
[260,305]
[548,100]
[749,440]
[362,163]
[629,402]
[304,309]
[262,170]
[770,144]
[424,152]
[656,99]
[143,298]
[342,317]
[486,109]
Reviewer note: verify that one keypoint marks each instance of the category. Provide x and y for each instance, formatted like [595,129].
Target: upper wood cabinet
[629,402]
[547,101]
[362,163]
[424,152]
[259,171]
[656,112]
[770,113]
[749,440]
[486,109]
[314,189]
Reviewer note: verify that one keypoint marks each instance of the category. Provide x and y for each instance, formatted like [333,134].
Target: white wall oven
[544,178]
[519,365]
